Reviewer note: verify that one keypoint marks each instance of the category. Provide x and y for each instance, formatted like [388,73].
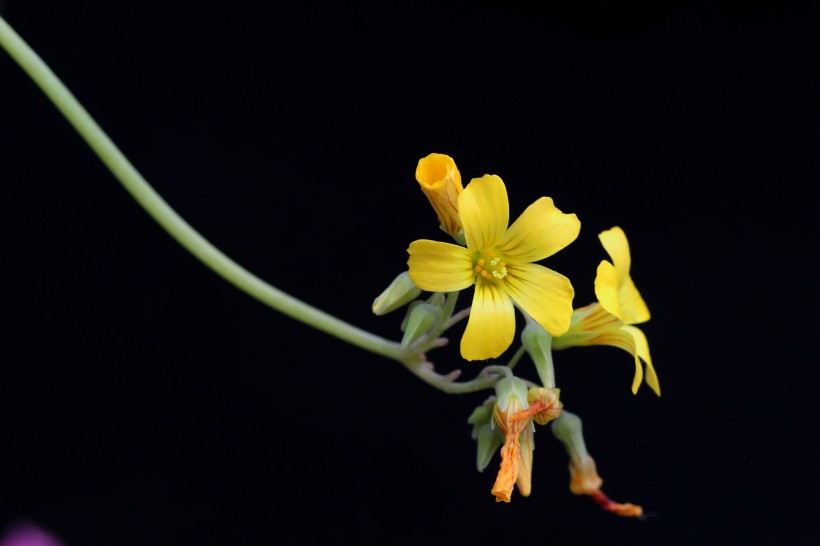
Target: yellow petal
[630,306]
[633,308]
[484,212]
[606,288]
[491,327]
[616,245]
[439,267]
[593,325]
[642,348]
[540,231]
[586,325]
[622,339]
[543,294]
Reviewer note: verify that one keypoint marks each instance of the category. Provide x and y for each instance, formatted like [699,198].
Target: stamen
[490,262]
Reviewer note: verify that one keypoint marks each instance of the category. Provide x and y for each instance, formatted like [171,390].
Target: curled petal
[633,308]
[540,231]
[484,211]
[439,267]
[543,294]
[491,326]
[616,245]
[624,301]
[629,306]
[642,348]
[606,288]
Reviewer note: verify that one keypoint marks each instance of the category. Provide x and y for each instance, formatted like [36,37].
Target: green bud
[488,438]
[400,292]
[511,390]
[538,343]
[420,319]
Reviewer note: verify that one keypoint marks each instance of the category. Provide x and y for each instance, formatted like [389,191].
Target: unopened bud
[400,292]
[538,343]
[440,181]
[419,321]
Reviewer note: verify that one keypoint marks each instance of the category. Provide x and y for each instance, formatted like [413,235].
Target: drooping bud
[400,292]
[440,181]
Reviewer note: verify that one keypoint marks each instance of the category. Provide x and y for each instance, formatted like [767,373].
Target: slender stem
[178,228]
[488,377]
[461,315]
[516,357]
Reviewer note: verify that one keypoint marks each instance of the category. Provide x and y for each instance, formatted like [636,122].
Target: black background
[145,401]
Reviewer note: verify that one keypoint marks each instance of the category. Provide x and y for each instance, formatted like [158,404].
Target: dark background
[145,401]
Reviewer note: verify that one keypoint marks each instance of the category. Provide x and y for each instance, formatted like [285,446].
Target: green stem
[178,228]
[488,377]
[516,357]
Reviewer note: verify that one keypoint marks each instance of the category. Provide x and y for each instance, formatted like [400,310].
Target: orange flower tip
[502,496]
[620,509]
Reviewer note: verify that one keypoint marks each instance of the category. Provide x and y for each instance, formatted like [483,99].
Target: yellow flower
[609,321]
[498,261]
[441,183]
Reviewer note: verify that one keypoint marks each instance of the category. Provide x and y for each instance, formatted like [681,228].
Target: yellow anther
[485,274]
[481,261]
[477,268]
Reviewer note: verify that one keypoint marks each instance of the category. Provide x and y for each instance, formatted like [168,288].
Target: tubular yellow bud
[440,181]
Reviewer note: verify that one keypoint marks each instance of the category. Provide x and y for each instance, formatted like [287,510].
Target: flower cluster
[498,261]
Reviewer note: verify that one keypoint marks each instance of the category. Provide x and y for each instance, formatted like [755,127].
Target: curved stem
[488,377]
[177,227]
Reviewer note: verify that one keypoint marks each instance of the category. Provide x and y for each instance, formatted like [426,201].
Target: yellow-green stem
[176,226]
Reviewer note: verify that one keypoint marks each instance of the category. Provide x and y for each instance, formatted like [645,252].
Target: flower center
[489,265]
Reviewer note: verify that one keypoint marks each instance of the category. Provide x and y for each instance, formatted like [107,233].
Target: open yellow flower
[610,320]
[498,261]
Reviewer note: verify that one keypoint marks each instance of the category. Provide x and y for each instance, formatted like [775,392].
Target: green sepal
[488,438]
